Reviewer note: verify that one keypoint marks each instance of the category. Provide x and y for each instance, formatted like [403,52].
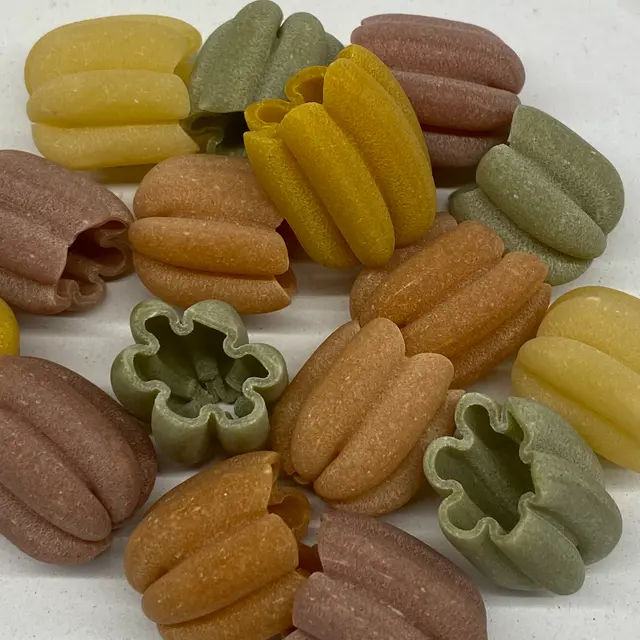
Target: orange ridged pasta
[352,424]
[457,295]
[206,230]
[217,556]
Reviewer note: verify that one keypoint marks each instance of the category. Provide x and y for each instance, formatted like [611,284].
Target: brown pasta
[61,236]
[377,581]
[462,80]
[73,463]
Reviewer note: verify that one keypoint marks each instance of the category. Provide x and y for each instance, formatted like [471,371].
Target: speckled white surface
[582,59]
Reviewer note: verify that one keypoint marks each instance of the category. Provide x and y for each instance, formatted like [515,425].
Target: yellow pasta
[352,183]
[9,332]
[585,364]
[111,91]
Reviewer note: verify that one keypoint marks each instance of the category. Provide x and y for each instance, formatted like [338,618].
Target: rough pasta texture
[462,80]
[352,424]
[247,59]
[352,183]
[547,192]
[585,364]
[73,463]
[377,581]
[108,92]
[61,236]
[217,557]
[524,496]
[205,230]
[182,369]
[9,331]
[455,294]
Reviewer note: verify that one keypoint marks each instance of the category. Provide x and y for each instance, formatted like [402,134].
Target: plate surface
[582,62]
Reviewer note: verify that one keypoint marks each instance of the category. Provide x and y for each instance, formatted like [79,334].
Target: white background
[582,59]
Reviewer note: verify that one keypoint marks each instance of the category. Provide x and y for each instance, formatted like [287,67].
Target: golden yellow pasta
[352,183]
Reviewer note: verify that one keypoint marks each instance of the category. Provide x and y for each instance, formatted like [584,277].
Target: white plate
[583,66]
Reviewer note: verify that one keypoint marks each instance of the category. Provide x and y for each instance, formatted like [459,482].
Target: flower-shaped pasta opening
[524,496]
[511,475]
[197,369]
[198,379]
[61,236]
[305,87]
